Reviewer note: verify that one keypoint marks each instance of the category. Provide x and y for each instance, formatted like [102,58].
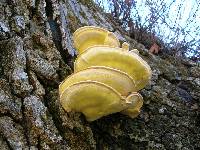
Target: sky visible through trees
[175,22]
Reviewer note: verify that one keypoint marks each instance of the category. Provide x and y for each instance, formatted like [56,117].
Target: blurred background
[170,26]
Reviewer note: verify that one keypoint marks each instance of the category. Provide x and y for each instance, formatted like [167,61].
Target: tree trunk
[37,54]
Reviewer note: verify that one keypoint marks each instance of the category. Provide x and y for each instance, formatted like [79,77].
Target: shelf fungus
[117,58]
[116,79]
[106,78]
[88,36]
[95,99]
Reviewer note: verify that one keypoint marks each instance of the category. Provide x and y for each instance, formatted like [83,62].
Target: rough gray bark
[37,54]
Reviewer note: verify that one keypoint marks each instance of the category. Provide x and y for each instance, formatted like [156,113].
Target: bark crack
[56,32]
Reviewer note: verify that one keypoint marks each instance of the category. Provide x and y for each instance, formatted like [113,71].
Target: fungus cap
[134,111]
[95,99]
[125,46]
[128,62]
[87,36]
[134,51]
[117,79]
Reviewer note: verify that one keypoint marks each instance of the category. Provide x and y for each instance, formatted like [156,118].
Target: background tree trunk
[37,54]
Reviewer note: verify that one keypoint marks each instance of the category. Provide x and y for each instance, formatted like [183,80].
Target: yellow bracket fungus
[106,78]
[88,36]
[134,51]
[117,79]
[95,99]
[125,46]
[135,110]
[117,58]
